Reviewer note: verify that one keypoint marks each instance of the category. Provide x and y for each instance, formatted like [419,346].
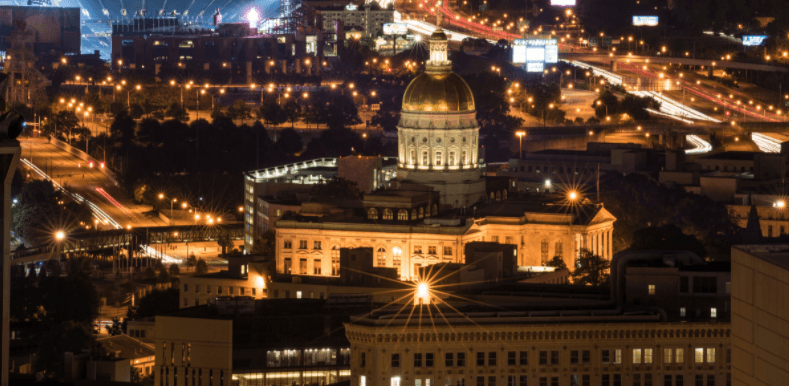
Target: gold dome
[442,92]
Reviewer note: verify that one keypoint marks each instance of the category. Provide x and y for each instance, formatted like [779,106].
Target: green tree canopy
[591,270]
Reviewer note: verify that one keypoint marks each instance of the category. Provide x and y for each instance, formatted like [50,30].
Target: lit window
[636,355]
[711,355]
[682,312]
[362,380]
[699,357]
[651,289]
[647,355]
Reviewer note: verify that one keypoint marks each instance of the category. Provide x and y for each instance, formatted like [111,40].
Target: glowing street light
[60,235]
[780,204]
[573,195]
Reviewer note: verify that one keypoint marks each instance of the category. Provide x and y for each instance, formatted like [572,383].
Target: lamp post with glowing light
[520,135]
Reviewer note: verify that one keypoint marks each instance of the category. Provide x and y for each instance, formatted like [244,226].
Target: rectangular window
[651,289]
[480,359]
[699,380]
[524,358]
[711,355]
[523,381]
[543,358]
[363,359]
[395,360]
[492,381]
[316,267]
[492,358]
[461,359]
[288,266]
[683,284]
[636,355]
[512,380]
[316,245]
[713,312]
[417,359]
[447,251]
[682,312]
[667,357]
[586,356]
[636,379]
[511,358]
[431,250]
[197,288]
[303,266]
[574,357]
[287,244]
[208,289]
[449,359]
[429,359]
[699,357]
[679,355]
[186,287]
[418,249]
[362,381]
[647,355]
[186,302]
[480,381]
[554,357]
[302,244]
[219,289]
[494,239]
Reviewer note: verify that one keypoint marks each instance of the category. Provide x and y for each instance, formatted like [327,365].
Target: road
[75,175]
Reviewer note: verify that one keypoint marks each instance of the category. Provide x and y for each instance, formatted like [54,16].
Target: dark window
[395,360]
[679,380]
[667,380]
[574,357]
[636,379]
[707,285]
[480,381]
[449,359]
[586,356]
[461,359]
[543,358]
[554,357]
[523,381]
[683,284]
[492,381]
[417,359]
[492,358]
[511,358]
[524,358]
[429,359]
[617,380]
[699,380]
[363,360]
[480,359]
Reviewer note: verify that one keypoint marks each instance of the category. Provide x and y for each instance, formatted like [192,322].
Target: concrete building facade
[760,318]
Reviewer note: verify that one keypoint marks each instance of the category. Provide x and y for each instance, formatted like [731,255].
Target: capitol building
[440,200]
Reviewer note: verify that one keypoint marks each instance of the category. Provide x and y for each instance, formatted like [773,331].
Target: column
[610,244]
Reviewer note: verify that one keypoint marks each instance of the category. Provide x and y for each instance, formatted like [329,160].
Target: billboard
[592,42]
[395,28]
[650,21]
[534,67]
[753,40]
[563,3]
[535,50]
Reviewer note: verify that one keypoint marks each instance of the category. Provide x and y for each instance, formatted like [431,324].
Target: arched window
[425,160]
[388,215]
[451,158]
[413,215]
[498,196]
[557,248]
[492,196]
[335,261]
[439,160]
[544,251]
[421,212]
[503,194]
[372,214]
[380,257]
[435,210]
[463,159]
[402,215]
[412,157]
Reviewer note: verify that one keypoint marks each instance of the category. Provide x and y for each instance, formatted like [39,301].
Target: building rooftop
[129,347]
[777,254]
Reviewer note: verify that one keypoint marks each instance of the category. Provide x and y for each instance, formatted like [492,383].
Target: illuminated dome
[442,92]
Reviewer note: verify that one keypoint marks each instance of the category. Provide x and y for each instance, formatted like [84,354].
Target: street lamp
[520,135]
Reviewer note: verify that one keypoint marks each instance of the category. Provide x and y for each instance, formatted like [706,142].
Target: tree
[339,112]
[174,270]
[163,277]
[64,337]
[156,302]
[292,111]
[191,261]
[290,141]
[116,328]
[150,273]
[176,112]
[557,262]
[591,270]
[225,242]
[270,111]
[667,237]
[266,245]
[239,110]
[201,268]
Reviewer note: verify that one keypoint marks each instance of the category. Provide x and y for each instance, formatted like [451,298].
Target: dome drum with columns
[438,133]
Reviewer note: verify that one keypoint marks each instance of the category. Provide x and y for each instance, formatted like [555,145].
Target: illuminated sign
[753,40]
[563,3]
[650,21]
[535,50]
[534,67]
[351,7]
[395,28]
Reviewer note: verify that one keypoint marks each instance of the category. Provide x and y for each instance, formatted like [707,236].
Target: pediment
[602,216]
